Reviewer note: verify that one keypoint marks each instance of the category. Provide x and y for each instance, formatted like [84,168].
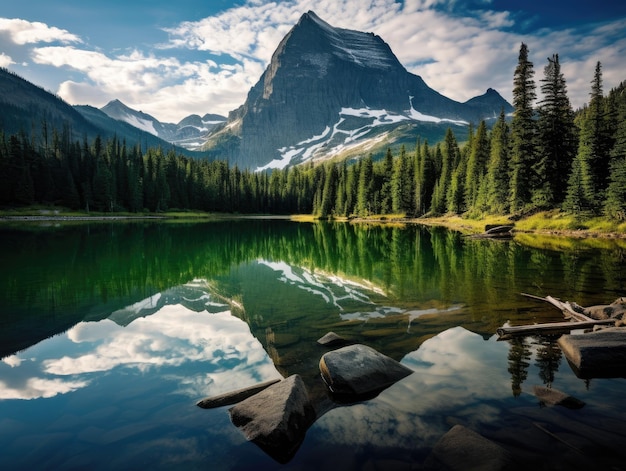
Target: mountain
[189,133]
[25,107]
[329,91]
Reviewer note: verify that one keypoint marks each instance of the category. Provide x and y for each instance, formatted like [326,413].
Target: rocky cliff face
[328,87]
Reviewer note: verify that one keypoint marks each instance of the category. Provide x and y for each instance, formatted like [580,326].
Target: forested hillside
[547,156]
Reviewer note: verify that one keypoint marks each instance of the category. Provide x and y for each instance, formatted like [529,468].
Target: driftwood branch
[569,310]
[572,311]
[549,328]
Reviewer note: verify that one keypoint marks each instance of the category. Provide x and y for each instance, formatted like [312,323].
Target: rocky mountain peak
[326,87]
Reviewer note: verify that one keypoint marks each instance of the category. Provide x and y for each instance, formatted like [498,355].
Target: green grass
[558,221]
[57,211]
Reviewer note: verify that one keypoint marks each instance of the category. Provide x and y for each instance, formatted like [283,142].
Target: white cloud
[162,86]
[40,387]
[5,60]
[459,56]
[27,32]
[12,361]
[457,52]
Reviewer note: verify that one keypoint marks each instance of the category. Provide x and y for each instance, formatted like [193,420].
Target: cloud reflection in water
[220,348]
[456,375]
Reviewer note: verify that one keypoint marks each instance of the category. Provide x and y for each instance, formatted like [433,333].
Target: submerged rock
[596,354]
[462,449]
[277,418]
[555,397]
[358,371]
[331,339]
[234,397]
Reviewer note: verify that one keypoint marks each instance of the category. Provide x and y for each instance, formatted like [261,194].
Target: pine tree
[25,189]
[425,179]
[476,165]
[577,199]
[597,139]
[522,134]
[103,187]
[329,192]
[556,138]
[615,204]
[401,185]
[456,190]
[364,194]
[385,190]
[591,165]
[449,160]
[497,179]
[340,201]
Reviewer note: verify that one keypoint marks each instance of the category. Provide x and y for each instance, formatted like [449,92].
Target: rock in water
[555,397]
[233,397]
[462,449]
[359,370]
[332,339]
[277,418]
[600,354]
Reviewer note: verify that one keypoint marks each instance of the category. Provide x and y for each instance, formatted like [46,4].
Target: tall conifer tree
[476,165]
[522,133]
[497,170]
[589,177]
[364,193]
[556,138]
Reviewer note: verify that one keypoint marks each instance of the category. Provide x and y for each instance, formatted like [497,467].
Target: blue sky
[174,58]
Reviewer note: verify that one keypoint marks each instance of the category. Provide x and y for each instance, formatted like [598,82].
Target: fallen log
[549,328]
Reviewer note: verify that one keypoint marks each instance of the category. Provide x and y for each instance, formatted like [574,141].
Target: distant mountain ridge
[25,107]
[189,133]
[328,90]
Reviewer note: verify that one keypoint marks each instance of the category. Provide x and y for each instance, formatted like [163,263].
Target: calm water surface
[111,332]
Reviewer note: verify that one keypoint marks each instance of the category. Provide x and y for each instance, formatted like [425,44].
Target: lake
[110,333]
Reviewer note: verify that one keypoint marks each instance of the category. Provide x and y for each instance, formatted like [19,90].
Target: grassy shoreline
[555,223]
[59,214]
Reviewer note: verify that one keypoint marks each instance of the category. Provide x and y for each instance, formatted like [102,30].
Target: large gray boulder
[358,371]
[277,418]
[596,354]
[462,449]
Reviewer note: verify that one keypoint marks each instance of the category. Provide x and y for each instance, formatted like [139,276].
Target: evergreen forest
[545,156]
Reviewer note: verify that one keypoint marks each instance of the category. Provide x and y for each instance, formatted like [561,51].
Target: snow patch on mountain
[417,116]
[143,124]
[352,125]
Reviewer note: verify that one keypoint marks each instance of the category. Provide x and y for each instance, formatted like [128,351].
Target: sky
[174,58]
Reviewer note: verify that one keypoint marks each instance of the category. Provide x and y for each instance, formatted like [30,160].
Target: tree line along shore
[548,159]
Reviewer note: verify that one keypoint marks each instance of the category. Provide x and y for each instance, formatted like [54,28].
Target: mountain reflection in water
[111,333]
